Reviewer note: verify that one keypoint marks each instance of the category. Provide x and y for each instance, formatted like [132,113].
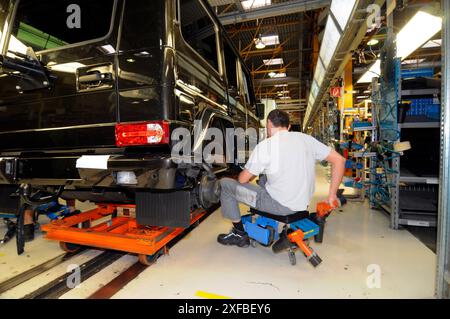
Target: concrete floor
[357,241]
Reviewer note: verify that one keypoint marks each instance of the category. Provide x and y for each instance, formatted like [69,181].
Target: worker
[287,159]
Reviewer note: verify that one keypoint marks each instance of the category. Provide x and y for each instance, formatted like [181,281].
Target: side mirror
[260,111]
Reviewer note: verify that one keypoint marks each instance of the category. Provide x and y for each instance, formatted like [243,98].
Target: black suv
[91,92]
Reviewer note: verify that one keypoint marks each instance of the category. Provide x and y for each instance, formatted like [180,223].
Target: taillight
[148,133]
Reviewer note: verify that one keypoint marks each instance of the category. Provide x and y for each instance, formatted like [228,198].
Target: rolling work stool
[262,228]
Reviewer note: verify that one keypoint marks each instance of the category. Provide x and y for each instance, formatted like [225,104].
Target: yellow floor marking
[207,295]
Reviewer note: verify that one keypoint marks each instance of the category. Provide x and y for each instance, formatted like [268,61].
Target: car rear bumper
[150,171]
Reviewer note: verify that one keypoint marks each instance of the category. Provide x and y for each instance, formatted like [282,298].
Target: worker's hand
[332,200]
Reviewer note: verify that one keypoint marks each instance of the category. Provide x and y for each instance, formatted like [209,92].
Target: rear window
[50,24]
[198,30]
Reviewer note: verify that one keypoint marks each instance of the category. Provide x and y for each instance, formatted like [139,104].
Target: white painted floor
[357,240]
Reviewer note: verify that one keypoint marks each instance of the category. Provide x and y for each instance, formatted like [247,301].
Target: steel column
[443,245]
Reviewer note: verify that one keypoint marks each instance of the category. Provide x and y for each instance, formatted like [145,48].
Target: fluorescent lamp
[433,44]
[373,72]
[319,74]
[421,28]
[252,4]
[272,74]
[268,40]
[329,44]
[278,75]
[283,92]
[280,85]
[342,9]
[271,39]
[373,42]
[277,61]
[314,90]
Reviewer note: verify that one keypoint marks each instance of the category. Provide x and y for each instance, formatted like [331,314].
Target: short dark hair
[279,118]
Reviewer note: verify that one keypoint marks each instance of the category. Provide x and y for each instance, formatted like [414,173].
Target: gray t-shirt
[288,159]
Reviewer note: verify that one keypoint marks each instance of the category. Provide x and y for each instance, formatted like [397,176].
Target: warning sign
[335,91]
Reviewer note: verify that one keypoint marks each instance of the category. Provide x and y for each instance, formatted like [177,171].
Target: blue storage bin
[424,107]
[434,112]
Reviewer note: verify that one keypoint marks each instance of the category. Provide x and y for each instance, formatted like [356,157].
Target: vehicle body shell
[151,74]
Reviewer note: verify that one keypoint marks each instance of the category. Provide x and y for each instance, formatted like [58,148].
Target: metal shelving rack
[392,92]
[365,157]
[388,94]
[414,217]
[443,243]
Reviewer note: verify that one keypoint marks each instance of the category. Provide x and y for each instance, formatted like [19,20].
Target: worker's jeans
[255,196]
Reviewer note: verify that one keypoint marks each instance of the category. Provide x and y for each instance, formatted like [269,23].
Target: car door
[141,76]
[75,43]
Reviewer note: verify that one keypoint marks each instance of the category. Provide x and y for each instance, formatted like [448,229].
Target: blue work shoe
[234,238]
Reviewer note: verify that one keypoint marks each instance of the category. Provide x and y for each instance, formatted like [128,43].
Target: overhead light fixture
[373,42]
[279,75]
[340,15]
[272,74]
[271,40]
[259,44]
[252,4]
[373,72]
[329,43]
[319,74]
[277,61]
[421,28]
[314,89]
[432,44]
[341,10]
[281,85]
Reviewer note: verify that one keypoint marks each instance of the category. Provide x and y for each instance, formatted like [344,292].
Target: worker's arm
[337,173]
[245,177]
